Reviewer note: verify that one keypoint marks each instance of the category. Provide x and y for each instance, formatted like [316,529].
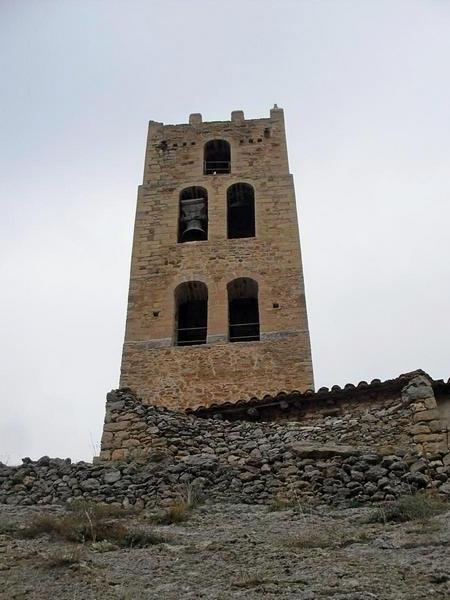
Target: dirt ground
[236,551]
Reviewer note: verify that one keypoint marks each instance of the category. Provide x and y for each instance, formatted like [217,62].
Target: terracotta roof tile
[239,408]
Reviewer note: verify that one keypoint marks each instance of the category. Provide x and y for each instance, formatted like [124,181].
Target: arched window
[217,157]
[241,211]
[243,310]
[191,313]
[193,219]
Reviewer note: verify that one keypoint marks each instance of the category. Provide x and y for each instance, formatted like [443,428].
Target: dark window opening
[267,132]
[241,211]
[191,317]
[217,157]
[193,216]
[243,311]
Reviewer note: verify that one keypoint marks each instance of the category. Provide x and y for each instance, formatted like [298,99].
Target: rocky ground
[236,551]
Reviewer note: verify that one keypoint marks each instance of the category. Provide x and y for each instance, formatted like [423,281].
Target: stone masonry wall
[408,419]
[181,377]
[149,454]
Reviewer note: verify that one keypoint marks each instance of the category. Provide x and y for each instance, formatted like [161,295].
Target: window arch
[216,157]
[191,313]
[243,310]
[193,215]
[240,211]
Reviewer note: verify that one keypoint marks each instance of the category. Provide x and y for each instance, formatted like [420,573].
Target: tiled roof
[251,408]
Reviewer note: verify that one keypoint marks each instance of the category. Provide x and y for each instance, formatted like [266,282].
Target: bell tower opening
[191,313]
[193,219]
[240,211]
[217,157]
[243,310]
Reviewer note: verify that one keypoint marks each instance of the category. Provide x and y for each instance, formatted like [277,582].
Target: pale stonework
[219,371]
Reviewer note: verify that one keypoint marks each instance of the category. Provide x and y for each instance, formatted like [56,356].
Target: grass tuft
[311,537]
[280,503]
[179,510]
[57,560]
[246,579]
[419,507]
[89,523]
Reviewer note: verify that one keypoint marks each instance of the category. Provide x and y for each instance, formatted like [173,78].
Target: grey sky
[366,92]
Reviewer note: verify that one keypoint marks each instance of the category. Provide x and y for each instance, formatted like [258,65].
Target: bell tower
[216,308]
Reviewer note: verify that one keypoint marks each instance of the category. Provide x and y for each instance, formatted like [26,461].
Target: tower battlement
[216,305]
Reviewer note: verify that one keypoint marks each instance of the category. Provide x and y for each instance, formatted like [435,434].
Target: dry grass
[103,546]
[89,522]
[99,510]
[419,507]
[58,560]
[74,527]
[179,510]
[313,537]
[294,502]
[329,536]
[281,503]
[247,579]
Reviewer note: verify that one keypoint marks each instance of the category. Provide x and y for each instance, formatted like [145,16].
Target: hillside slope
[224,551]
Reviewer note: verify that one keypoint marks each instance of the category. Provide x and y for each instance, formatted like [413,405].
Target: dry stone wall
[149,454]
[404,417]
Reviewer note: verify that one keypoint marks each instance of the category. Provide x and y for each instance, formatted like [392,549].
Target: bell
[193,214]
[194,231]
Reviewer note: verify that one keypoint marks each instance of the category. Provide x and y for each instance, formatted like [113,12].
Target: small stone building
[216,307]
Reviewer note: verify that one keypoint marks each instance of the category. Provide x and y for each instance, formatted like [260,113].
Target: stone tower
[216,308]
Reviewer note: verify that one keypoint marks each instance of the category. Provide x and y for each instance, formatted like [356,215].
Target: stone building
[216,307]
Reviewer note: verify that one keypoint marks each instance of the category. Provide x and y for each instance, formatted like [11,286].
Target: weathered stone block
[419,429]
[130,443]
[432,448]
[436,426]
[322,451]
[107,441]
[89,484]
[426,415]
[111,476]
[117,426]
[430,402]
[118,454]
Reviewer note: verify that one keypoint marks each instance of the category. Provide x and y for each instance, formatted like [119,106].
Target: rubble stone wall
[408,419]
[149,454]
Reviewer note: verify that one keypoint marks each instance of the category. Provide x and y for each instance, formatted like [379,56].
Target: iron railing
[185,338]
[238,332]
[216,167]
[244,332]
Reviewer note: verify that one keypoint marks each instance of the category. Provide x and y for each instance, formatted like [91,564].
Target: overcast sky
[366,90]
